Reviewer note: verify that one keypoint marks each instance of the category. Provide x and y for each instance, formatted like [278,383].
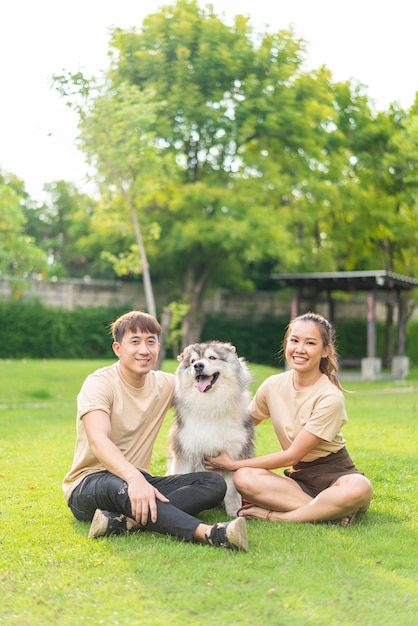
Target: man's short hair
[134,321]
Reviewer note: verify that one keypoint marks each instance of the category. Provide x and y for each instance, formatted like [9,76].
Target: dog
[211,412]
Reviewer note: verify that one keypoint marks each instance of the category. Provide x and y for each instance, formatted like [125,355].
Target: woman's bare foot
[348,519]
[252,511]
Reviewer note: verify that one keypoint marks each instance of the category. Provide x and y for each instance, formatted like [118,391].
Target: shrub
[31,329]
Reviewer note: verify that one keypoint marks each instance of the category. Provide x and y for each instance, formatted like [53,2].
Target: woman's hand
[221,462]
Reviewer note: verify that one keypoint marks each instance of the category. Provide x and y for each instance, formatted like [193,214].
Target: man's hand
[143,498]
[141,494]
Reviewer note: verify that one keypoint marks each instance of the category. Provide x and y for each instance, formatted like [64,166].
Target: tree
[117,135]
[59,227]
[391,206]
[20,258]
[231,158]
[216,95]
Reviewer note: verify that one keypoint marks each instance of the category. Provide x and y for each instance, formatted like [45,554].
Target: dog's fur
[211,402]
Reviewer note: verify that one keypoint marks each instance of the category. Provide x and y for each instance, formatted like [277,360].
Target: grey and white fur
[211,412]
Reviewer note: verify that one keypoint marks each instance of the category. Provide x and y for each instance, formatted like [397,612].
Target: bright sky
[371,41]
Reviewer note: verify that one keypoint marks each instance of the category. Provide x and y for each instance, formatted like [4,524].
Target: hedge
[260,341]
[31,329]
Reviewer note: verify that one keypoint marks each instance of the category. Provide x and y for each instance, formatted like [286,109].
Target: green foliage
[31,330]
[258,340]
[352,338]
[214,141]
[293,575]
[412,341]
[178,310]
[59,225]
[20,255]
[219,160]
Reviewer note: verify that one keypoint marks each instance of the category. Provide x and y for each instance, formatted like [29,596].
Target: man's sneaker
[105,523]
[232,535]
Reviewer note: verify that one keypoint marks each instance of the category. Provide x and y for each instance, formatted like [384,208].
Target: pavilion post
[371,324]
[400,363]
[371,366]
[401,325]
[294,312]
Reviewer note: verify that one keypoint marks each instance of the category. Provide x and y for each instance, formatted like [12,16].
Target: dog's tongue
[203,383]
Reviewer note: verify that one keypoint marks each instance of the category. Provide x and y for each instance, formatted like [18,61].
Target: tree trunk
[193,290]
[165,325]
[149,295]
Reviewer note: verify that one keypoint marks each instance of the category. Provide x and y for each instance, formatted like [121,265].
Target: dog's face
[211,365]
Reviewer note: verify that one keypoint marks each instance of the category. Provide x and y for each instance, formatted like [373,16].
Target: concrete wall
[69,293]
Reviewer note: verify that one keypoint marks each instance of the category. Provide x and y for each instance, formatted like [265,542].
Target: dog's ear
[186,351]
[183,355]
[232,348]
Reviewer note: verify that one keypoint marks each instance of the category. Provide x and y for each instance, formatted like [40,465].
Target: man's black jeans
[189,494]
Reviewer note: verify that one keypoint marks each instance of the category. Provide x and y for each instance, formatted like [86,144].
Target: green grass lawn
[294,574]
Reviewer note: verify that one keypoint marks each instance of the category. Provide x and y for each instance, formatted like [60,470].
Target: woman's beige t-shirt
[320,409]
[135,415]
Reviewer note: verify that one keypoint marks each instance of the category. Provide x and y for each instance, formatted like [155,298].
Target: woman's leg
[282,499]
[269,490]
[349,495]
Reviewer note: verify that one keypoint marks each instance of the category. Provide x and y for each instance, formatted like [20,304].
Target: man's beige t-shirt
[135,415]
[319,409]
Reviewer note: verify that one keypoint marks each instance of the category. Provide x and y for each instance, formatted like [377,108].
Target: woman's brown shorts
[315,476]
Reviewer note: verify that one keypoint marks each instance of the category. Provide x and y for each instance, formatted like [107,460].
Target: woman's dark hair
[329,364]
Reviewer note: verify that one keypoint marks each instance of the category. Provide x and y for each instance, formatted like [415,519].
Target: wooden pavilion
[379,285]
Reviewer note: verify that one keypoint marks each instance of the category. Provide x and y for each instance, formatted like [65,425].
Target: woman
[307,409]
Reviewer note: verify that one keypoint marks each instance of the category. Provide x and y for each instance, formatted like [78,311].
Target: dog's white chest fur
[210,438]
[211,402]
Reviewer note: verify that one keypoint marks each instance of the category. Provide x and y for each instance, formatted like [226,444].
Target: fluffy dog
[211,402]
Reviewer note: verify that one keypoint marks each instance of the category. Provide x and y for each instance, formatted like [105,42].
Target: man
[120,409]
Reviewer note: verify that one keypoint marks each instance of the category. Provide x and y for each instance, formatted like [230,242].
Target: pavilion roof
[349,281]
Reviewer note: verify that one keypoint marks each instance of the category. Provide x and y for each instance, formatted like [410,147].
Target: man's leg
[192,492]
